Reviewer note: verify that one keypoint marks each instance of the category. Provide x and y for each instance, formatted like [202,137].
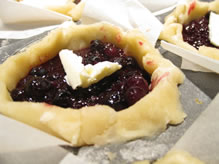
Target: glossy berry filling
[46,83]
[196,32]
[77,1]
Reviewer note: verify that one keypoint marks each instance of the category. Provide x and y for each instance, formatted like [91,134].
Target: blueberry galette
[193,26]
[92,84]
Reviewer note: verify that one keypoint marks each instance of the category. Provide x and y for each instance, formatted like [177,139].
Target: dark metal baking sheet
[196,93]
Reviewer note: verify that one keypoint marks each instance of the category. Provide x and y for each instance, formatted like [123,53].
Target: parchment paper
[193,57]
[194,67]
[18,21]
[202,138]
[128,14]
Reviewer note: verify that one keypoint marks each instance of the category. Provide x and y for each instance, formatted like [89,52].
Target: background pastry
[188,27]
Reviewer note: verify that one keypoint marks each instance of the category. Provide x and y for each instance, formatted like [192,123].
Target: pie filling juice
[46,82]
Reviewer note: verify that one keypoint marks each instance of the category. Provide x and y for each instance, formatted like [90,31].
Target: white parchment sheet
[20,20]
[202,138]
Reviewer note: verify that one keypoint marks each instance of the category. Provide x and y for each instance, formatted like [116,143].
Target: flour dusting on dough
[47,116]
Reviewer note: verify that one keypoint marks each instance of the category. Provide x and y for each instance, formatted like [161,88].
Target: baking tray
[194,101]
[197,91]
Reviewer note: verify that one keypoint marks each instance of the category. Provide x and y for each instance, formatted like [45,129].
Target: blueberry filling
[46,82]
[77,1]
[196,32]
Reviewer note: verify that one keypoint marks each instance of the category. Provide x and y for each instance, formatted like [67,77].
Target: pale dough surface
[184,13]
[98,124]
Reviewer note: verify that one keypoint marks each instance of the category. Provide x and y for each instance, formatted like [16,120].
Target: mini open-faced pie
[72,8]
[93,123]
[187,27]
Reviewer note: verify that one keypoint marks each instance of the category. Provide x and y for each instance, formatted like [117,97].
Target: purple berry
[96,45]
[133,94]
[137,81]
[38,71]
[18,94]
[62,98]
[37,86]
[111,51]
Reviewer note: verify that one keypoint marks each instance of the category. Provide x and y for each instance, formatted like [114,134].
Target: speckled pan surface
[194,101]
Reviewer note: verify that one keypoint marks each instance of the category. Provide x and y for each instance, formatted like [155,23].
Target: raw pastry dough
[178,157]
[70,9]
[98,124]
[184,13]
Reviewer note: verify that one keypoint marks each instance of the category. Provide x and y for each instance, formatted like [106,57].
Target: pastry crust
[178,157]
[184,13]
[98,124]
[70,9]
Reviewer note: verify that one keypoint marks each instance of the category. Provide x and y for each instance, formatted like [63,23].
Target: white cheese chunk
[73,67]
[214,28]
[79,75]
